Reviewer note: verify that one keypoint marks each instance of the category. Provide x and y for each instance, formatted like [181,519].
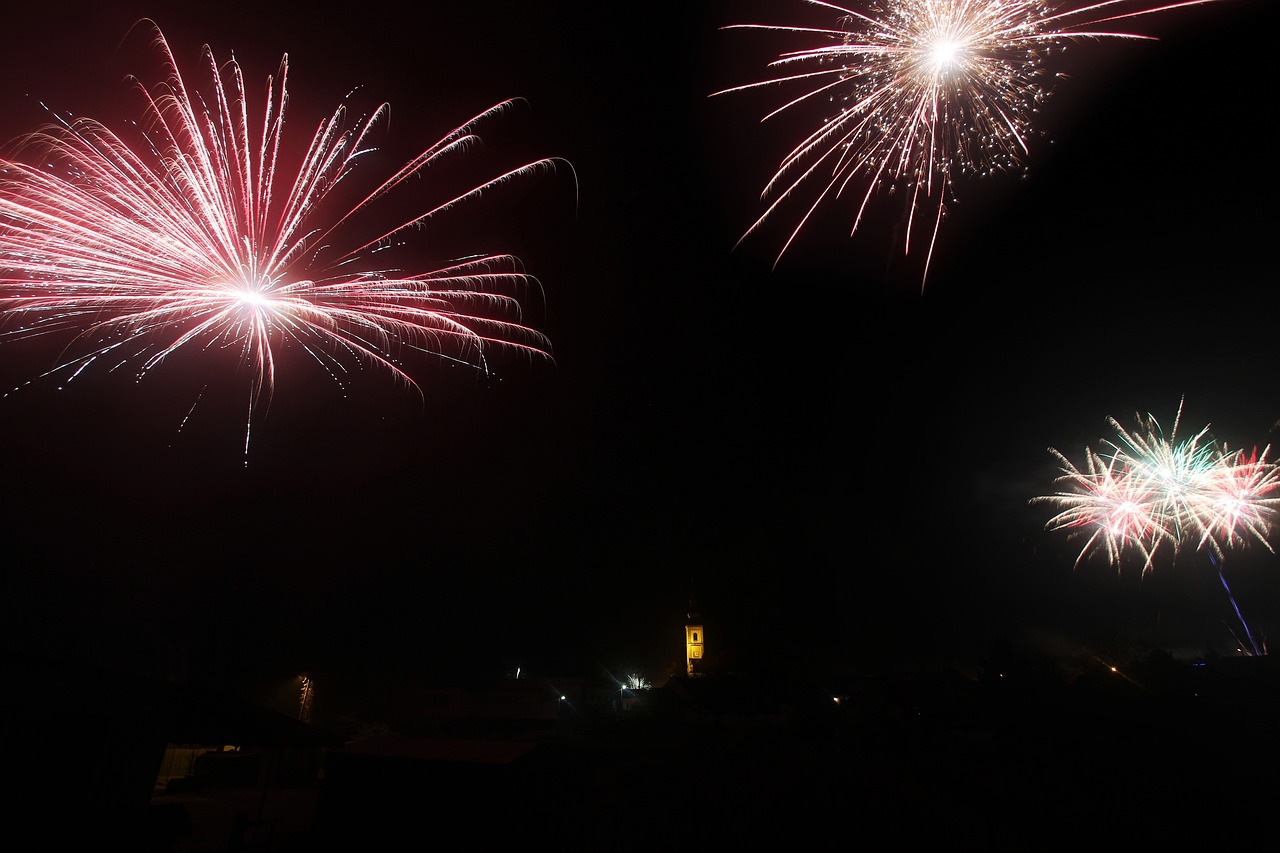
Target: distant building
[91,747]
[694,641]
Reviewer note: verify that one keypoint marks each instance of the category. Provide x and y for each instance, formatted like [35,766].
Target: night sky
[838,460]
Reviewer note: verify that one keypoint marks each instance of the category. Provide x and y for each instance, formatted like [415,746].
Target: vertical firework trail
[198,233]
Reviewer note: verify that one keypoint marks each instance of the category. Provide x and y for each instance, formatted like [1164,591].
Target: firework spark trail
[1145,491]
[1119,512]
[199,238]
[925,90]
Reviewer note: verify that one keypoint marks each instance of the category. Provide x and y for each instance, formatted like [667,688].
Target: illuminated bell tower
[694,638]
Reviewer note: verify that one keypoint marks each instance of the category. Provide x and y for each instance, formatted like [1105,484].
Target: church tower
[694,640]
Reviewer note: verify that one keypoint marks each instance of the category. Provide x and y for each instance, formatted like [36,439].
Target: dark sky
[841,460]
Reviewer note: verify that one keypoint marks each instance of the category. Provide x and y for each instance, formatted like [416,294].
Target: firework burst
[198,233]
[1143,492]
[921,92]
